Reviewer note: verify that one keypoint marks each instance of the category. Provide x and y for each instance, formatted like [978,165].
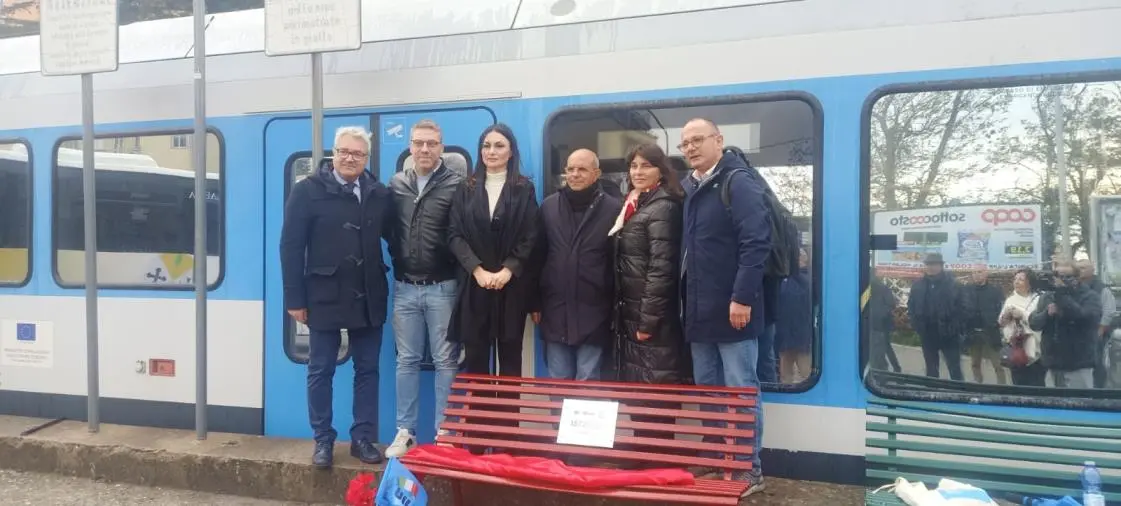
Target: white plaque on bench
[588,423]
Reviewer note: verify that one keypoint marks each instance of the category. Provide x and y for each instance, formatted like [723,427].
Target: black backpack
[786,240]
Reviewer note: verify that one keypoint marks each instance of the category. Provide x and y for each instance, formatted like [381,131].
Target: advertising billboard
[1003,237]
[1105,237]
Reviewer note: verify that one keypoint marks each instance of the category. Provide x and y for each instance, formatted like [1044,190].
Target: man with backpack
[726,251]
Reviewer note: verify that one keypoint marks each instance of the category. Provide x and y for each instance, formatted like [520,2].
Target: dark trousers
[950,347]
[365,350]
[1034,375]
[477,357]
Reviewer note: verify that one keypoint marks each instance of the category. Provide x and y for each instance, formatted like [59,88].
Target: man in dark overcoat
[577,290]
[334,279]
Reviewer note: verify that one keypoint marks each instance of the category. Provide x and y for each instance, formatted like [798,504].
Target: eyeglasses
[695,141]
[344,153]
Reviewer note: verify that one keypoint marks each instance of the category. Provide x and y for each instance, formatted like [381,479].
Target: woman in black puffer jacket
[650,343]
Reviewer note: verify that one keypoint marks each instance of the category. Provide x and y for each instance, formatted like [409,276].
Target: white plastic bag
[948,493]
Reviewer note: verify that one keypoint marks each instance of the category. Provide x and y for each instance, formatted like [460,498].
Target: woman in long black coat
[492,232]
[651,345]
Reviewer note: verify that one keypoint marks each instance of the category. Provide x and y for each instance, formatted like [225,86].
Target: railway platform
[274,468]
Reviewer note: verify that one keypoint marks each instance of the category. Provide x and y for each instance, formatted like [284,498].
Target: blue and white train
[789,81]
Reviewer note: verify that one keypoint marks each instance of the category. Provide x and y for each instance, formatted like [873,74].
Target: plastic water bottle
[1091,485]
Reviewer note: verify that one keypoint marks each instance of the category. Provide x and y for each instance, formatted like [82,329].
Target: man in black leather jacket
[425,272]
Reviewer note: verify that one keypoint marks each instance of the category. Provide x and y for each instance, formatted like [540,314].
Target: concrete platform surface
[275,468]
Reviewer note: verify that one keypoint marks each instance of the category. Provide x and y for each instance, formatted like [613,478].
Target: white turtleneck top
[494,185]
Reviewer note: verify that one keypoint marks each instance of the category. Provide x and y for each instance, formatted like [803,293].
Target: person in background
[935,308]
[577,287]
[425,272]
[880,313]
[1016,331]
[493,232]
[1087,275]
[982,302]
[723,255]
[1068,317]
[794,326]
[334,278]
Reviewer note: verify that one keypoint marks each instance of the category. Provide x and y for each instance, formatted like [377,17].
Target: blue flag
[399,487]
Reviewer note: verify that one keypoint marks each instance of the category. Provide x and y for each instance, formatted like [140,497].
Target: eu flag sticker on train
[25,331]
[27,344]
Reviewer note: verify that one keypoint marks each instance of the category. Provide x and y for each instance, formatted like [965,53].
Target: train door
[287,160]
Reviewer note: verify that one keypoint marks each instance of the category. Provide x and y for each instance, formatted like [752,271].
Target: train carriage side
[801,107]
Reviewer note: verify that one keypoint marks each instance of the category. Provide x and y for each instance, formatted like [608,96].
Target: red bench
[489,412]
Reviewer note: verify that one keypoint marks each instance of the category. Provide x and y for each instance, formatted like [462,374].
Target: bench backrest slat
[991,453]
[636,387]
[981,423]
[992,437]
[697,430]
[977,413]
[611,394]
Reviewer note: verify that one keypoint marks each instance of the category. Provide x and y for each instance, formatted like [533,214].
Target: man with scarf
[935,308]
[577,283]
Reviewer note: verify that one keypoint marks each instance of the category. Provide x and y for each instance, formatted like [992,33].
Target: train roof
[481,50]
[382,21]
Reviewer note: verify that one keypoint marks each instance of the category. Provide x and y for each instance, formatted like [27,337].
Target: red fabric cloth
[362,490]
[544,470]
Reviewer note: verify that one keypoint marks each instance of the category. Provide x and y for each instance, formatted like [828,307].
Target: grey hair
[356,132]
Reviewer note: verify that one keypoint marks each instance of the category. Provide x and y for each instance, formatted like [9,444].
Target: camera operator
[1068,317]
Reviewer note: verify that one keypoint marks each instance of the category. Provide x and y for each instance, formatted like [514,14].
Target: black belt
[422,282]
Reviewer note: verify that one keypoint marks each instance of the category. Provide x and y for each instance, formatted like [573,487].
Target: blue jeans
[733,365]
[420,313]
[573,362]
[365,348]
[767,365]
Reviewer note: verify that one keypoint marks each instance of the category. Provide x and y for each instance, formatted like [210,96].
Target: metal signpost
[82,38]
[313,26]
[198,147]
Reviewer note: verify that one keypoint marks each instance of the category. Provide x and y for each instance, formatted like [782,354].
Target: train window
[297,336]
[15,215]
[781,139]
[145,212]
[995,216]
[455,157]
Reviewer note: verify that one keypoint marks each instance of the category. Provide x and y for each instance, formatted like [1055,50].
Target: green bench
[1000,453]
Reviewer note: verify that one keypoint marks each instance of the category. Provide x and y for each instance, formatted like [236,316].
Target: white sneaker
[440,433]
[401,444]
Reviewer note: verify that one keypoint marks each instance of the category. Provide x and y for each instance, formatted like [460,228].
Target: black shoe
[365,451]
[324,454]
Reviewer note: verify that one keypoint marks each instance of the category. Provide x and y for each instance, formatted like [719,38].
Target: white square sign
[312,26]
[26,344]
[78,37]
[588,423]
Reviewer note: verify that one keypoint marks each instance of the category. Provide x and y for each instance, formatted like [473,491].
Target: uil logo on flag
[399,487]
